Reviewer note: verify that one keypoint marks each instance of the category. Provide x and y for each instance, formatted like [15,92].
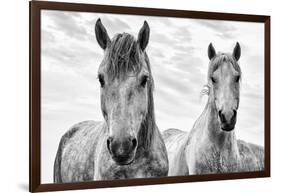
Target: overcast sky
[177,50]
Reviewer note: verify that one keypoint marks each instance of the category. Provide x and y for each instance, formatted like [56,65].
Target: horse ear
[101,35]
[143,36]
[211,51]
[237,51]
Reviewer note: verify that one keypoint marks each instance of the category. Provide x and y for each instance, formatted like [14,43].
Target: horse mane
[147,131]
[215,63]
[205,90]
[125,56]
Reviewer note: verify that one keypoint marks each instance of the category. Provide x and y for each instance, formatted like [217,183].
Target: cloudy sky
[178,54]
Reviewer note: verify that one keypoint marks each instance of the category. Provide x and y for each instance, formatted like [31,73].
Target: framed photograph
[123,96]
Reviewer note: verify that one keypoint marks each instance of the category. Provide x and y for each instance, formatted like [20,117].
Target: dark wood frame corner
[35,100]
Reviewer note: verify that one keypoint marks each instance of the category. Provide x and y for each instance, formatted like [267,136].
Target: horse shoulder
[74,160]
[251,155]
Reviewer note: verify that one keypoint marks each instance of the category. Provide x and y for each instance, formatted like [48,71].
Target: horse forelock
[219,60]
[123,56]
[215,63]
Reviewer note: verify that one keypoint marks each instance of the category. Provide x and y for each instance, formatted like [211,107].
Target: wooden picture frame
[35,184]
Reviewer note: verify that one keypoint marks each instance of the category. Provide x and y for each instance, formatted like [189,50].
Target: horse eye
[101,80]
[144,81]
[237,78]
[213,79]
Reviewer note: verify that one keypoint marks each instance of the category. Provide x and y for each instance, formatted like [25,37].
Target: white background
[14,95]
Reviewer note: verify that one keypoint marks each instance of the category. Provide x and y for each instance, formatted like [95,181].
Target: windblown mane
[124,56]
[148,127]
[215,64]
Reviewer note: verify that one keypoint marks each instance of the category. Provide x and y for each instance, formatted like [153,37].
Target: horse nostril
[134,143]
[222,117]
[234,113]
[220,114]
[108,142]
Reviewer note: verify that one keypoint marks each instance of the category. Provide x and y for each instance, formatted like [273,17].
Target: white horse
[211,146]
[127,144]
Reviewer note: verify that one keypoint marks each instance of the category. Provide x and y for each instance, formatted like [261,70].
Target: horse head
[126,87]
[224,77]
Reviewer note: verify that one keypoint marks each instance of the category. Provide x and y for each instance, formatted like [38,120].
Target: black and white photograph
[133,96]
[140,96]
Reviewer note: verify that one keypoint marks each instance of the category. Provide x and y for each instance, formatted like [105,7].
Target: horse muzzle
[227,127]
[227,120]
[122,151]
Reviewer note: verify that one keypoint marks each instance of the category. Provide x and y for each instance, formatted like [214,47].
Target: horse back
[176,141]
[74,159]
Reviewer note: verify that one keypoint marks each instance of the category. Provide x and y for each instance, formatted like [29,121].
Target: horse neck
[148,128]
[211,131]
